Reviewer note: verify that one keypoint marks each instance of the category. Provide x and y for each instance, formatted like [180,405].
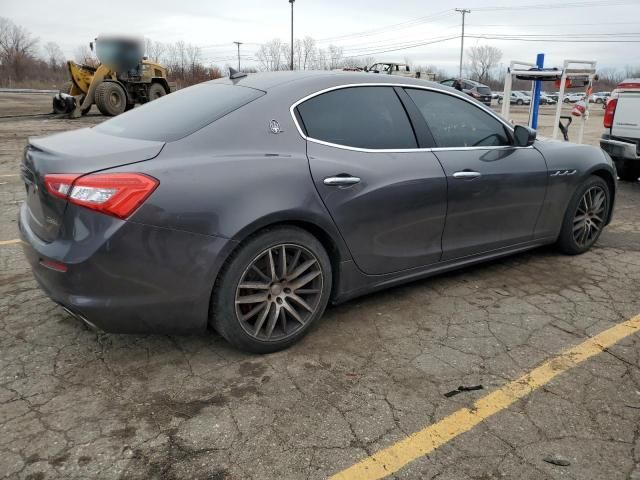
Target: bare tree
[336,56]
[17,48]
[308,52]
[482,59]
[154,50]
[270,55]
[83,54]
[54,55]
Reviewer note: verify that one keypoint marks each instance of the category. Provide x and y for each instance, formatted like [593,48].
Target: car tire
[110,98]
[499,101]
[565,100]
[519,102]
[627,171]
[585,217]
[259,304]
[599,100]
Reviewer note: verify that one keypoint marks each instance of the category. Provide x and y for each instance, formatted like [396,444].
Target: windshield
[179,114]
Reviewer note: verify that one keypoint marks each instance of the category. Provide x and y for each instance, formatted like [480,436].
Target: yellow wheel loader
[123,79]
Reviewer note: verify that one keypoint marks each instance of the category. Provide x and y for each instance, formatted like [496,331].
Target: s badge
[274,126]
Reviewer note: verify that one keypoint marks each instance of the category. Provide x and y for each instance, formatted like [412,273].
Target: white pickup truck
[622,121]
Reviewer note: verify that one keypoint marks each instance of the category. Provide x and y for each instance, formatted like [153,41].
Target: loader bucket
[63,103]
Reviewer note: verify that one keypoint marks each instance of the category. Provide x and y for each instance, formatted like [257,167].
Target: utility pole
[238,44]
[292,2]
[463,11]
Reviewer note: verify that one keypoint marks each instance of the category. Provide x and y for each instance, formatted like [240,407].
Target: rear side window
[457,123]
[181,113]
[363,117]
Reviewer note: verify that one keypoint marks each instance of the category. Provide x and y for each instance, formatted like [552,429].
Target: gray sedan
[247,204]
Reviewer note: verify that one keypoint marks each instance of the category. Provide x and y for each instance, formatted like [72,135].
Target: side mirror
[524,136]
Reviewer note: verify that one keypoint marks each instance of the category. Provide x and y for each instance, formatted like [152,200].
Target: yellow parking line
[10,242]
[393,458]
[9,175]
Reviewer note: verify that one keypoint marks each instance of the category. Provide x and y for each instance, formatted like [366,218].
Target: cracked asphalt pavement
[77,404]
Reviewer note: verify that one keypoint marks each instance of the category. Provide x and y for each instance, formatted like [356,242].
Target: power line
[386,28]
[551,6]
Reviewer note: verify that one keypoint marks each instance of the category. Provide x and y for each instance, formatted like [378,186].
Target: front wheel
[585,217]
[519,102]
[110,98]
[272,290]
[156,90]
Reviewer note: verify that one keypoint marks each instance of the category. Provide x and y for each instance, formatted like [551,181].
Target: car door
[387,197]
[495,190]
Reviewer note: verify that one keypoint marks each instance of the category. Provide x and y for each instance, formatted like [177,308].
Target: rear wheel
[156,90]
[110,98]
[272,290]
[628,171]
[519,102]
[585,217]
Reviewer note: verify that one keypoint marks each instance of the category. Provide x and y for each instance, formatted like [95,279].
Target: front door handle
[467,175]
[341,180]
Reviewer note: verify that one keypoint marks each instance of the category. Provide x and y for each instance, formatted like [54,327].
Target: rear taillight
[475,95]
[117,194]
[609,112]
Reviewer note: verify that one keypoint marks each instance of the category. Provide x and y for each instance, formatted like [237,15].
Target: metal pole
[238,44]
[292,2]
[535,101]
[463,11]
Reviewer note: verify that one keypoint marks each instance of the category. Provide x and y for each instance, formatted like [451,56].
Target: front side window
[457,123]
[362,117]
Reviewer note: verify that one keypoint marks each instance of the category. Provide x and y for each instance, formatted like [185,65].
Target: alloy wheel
[279,292]
[590,216]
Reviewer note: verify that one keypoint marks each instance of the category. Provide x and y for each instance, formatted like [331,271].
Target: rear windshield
[181,113]
[484,90]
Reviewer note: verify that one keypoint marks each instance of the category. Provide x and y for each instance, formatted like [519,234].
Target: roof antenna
[233,73]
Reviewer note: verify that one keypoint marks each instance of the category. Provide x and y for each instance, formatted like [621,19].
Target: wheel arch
[162,81]
[331,241]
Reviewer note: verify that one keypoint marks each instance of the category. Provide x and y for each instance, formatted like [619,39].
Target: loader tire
[156,90]
[110,98]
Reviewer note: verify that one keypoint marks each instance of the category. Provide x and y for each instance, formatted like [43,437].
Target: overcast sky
[214,24]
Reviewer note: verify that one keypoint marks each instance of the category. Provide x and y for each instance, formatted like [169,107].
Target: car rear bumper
[619,149]
[125,277]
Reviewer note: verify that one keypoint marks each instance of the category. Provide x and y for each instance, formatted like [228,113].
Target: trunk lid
[81,151]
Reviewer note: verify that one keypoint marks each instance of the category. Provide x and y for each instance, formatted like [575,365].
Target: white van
[622,121]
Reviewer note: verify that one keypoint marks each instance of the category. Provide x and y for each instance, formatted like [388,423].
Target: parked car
[551,95]
[622,122]
[517,98]
[269,195]
[477,90]
[574,97]
[547,100]
[599,97]
[401,69]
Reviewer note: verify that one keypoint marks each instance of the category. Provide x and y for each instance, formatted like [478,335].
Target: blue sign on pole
[537,88]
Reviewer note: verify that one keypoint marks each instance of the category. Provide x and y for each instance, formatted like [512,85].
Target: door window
[458,123]
[363,117]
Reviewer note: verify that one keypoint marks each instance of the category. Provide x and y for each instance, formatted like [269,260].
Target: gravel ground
[77,404]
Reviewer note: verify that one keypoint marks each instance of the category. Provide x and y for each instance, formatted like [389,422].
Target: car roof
[317,80]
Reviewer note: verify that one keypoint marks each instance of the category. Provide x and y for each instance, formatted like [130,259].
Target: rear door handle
[341,181]
[467,175]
